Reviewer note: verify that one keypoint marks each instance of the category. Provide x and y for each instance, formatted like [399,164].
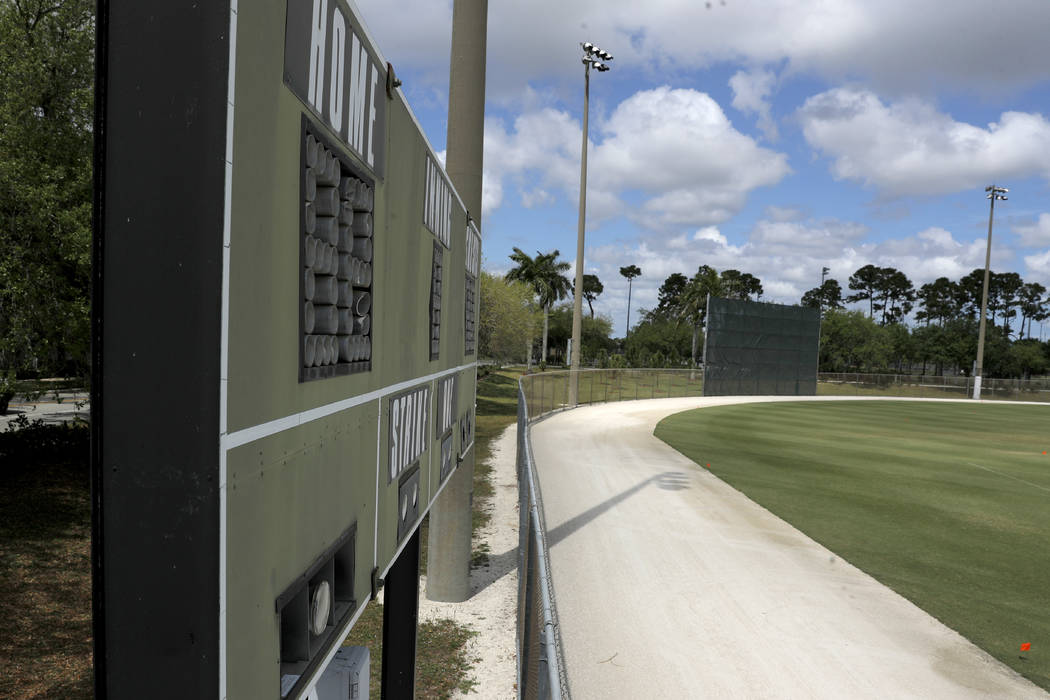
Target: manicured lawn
[946,503]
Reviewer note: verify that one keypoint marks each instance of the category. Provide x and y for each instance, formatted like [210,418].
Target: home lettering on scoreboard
[329,66]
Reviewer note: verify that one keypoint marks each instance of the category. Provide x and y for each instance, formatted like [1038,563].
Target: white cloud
[676,148]
[751,91]
[536,198]
[900,45]
[774,213]
[710,233]
[1038,267]
[908,147]
[1034,235]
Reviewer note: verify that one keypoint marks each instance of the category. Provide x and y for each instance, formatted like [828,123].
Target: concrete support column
[448,556]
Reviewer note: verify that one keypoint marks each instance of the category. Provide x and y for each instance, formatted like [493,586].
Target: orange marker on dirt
[1026,646]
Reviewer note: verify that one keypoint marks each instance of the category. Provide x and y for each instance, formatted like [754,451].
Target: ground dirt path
[671,584]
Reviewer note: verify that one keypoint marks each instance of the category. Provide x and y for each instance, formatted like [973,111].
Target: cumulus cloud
[899,45]
[1038,267]
[751,91]
[676,149]
[775,213]
[1036,234]
[908,147]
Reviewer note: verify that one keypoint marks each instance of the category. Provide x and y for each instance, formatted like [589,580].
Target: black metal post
[400,618]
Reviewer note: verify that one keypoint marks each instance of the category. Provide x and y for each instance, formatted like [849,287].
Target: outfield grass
[946,503]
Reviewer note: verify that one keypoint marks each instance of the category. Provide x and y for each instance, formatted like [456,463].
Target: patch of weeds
[442,663]
[368,632]
[480,555]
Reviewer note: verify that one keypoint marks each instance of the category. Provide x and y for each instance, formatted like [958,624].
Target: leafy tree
[545,274]
[931,346]
[826,296]
[595,334]
[506,319]
[1026,357]
[592,287]
[865,282]
[46,113]
[630,272]
[903,346]
[668,297]
[970,290]
[897,295]
[1034,305]
[886,289]
[938,301]
[1008,286]
[740,285]
[657,337]
[851,341]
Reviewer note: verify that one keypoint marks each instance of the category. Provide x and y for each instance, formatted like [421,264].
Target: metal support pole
[577,297]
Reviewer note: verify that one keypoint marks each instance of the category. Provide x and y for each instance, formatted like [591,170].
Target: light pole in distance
[994,193]
[598,59]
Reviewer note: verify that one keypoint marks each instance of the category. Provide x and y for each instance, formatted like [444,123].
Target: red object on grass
[1026,646]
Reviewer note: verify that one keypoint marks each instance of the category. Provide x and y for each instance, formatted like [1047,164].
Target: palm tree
[630,272]
[545,274]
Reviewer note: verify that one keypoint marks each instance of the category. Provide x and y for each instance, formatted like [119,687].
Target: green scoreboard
[284,319]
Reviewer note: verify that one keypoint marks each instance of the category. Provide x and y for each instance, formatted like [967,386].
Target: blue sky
[775,137]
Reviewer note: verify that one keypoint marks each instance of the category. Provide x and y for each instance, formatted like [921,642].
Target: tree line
[891,296]
[941,339]
[944,336]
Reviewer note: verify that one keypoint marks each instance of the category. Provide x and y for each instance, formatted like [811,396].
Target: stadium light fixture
[597,58]
[993,193]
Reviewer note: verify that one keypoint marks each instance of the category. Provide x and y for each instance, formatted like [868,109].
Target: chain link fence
[541,671]
[930,387]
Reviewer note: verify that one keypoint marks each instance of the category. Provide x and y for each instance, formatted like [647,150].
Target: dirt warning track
[669,583]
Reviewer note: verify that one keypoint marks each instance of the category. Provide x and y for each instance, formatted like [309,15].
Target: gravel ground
[491,609]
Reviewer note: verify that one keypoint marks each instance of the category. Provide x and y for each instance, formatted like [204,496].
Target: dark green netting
[758,349]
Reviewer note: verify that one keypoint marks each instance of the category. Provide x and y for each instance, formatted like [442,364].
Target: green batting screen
[759,349]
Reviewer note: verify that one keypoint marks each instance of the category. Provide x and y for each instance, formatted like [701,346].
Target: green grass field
[946,503]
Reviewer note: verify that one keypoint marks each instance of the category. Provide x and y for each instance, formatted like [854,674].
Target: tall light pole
[820,299]
[994,193]
[596,58]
